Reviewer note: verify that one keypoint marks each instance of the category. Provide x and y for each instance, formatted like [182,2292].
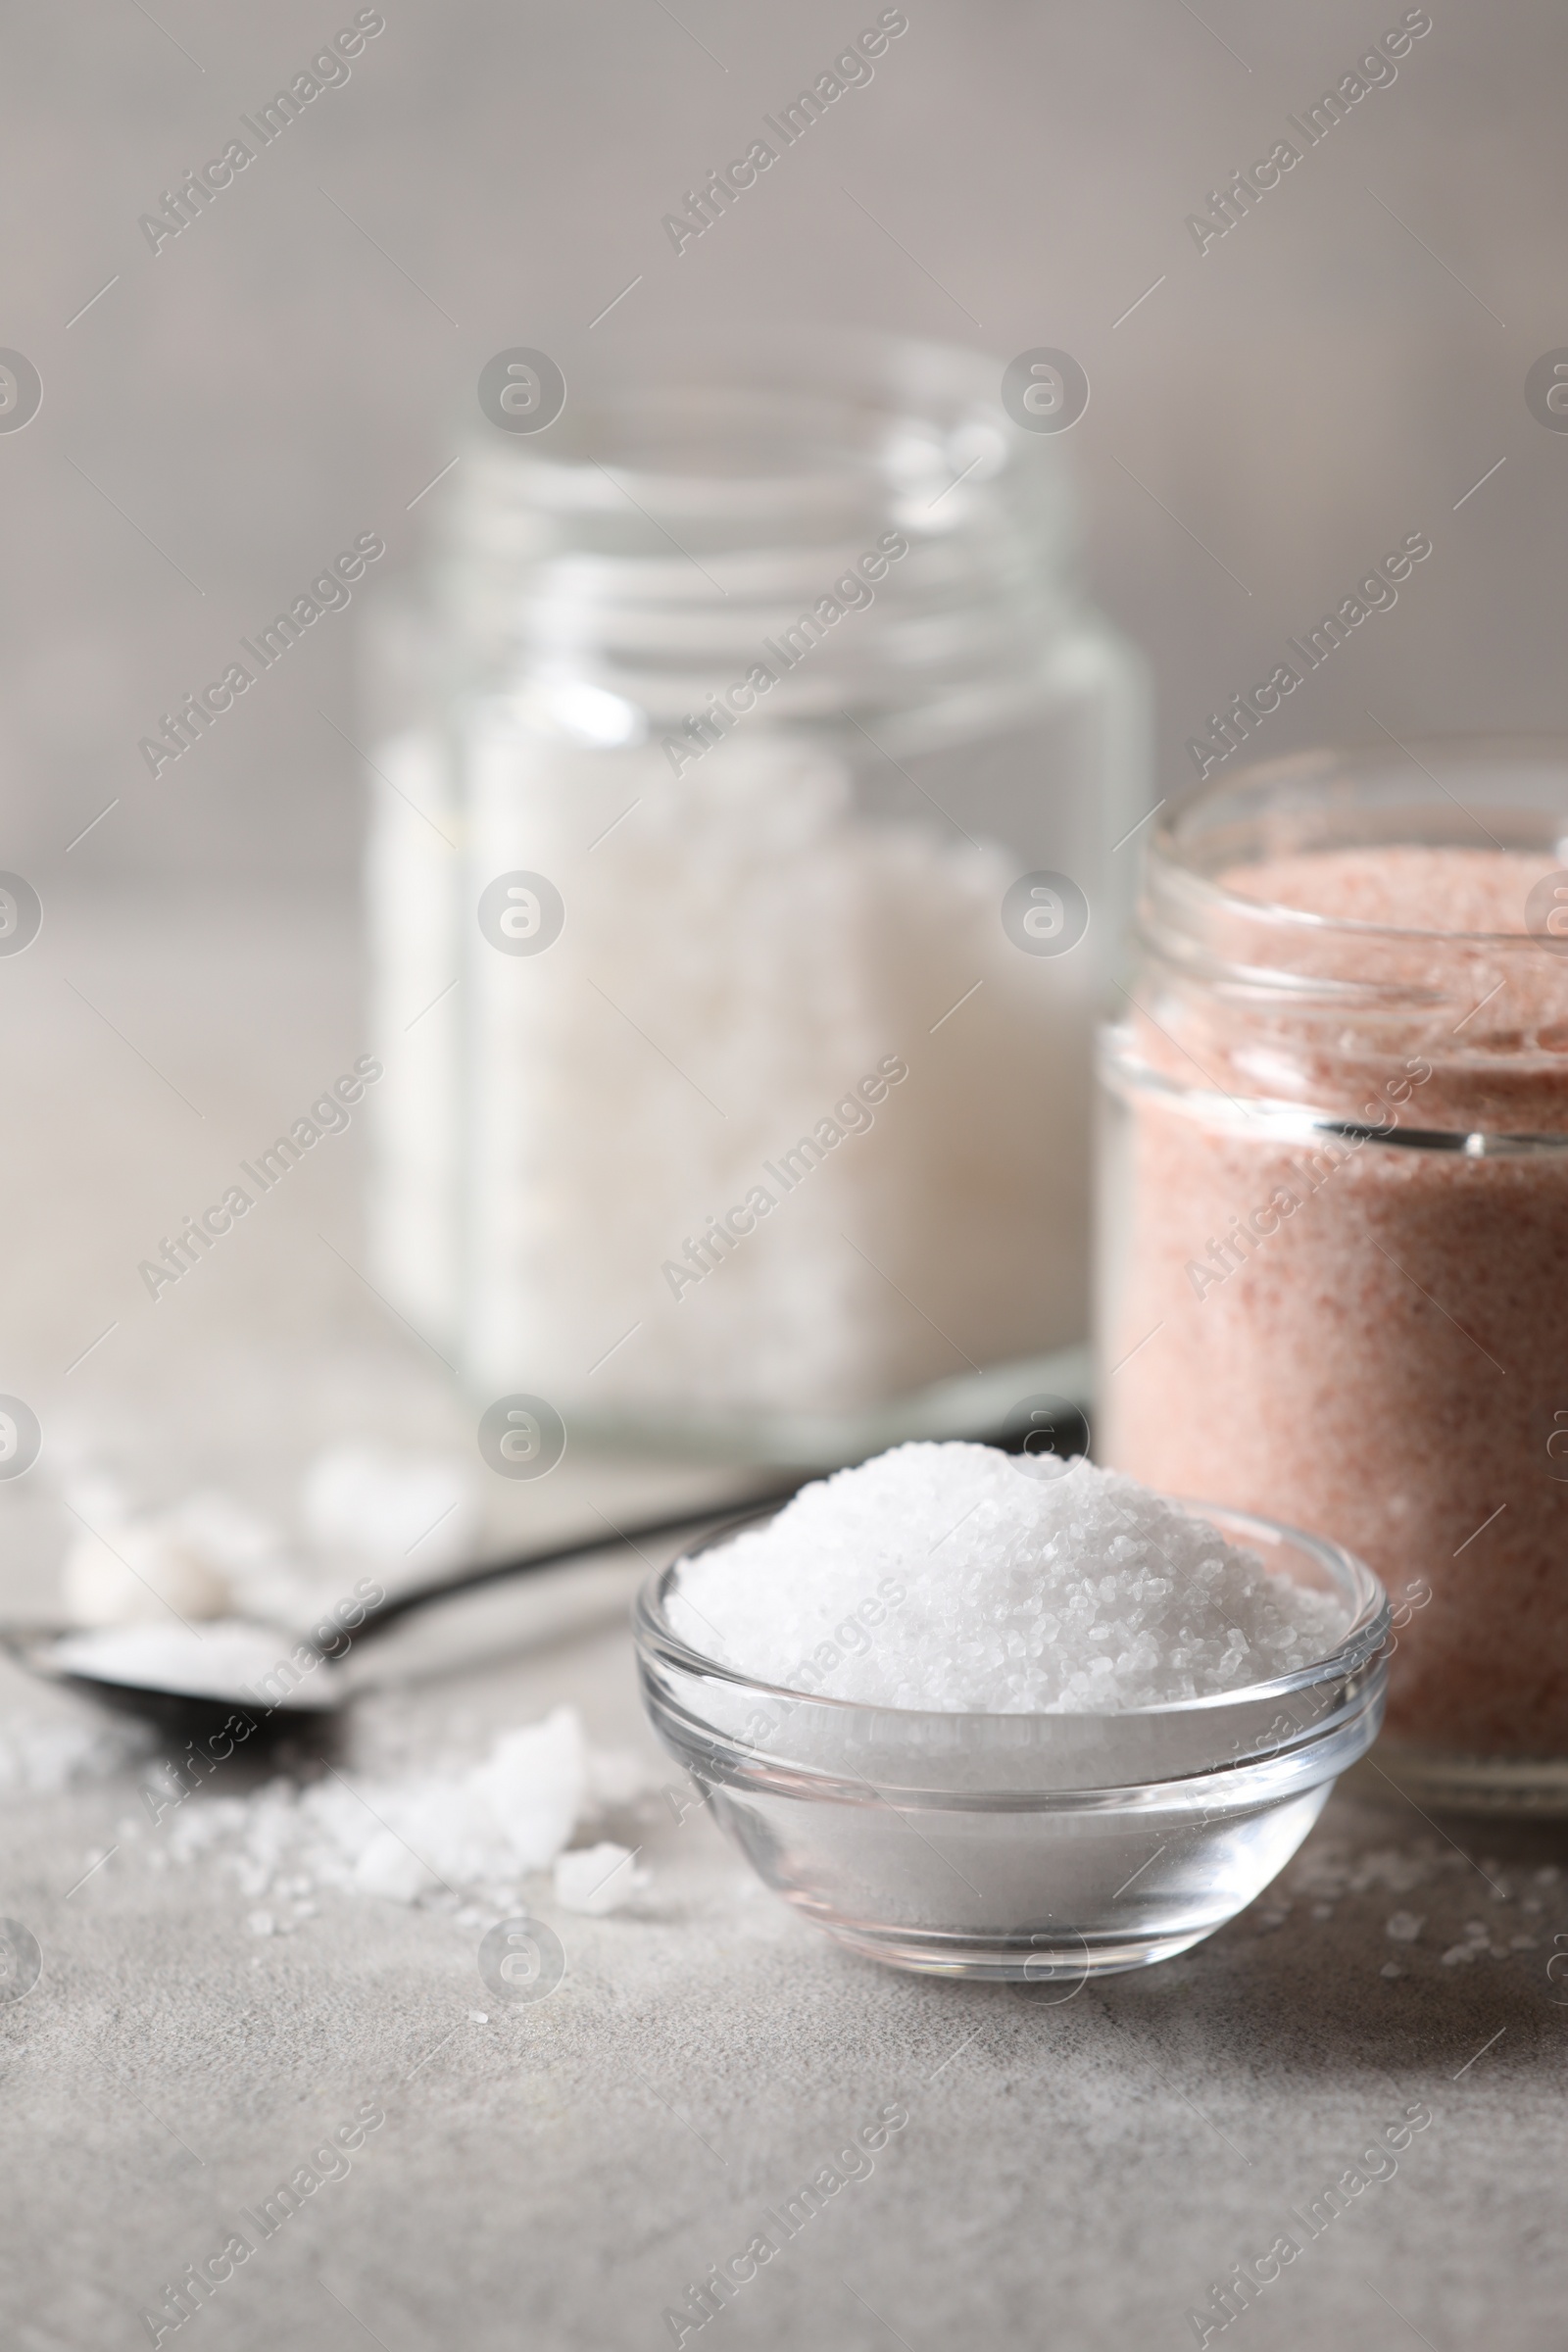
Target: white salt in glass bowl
[1031,1848]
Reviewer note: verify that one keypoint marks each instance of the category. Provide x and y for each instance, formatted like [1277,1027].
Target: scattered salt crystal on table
[392,1868]
[1404,1926]
[45,1756]
[432,1833]
[535,1784]
[597,1879]
[138,1571]
[939,1576]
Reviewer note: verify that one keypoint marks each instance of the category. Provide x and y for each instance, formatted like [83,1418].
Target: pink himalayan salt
[1389,1365]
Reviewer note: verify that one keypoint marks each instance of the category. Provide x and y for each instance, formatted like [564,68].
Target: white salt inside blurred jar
[775,674]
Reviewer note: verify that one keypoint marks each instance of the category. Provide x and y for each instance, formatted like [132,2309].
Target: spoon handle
[1011,1438]
[398,1605]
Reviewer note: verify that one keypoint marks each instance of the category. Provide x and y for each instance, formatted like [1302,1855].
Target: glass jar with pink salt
[1334,1245]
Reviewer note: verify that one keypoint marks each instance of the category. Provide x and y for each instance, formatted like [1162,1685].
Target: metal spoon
[237,1679]
[201,1684]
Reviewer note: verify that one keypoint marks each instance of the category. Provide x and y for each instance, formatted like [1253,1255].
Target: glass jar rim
[813,373]
[1172,872]
[659,540]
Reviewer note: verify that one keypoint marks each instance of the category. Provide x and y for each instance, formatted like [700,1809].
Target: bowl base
[1037,1968]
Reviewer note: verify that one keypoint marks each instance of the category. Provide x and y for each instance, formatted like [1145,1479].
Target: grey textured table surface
[1072,2174]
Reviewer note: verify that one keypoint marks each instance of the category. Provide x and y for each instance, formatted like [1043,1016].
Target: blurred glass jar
[1334,1212]
[740,899]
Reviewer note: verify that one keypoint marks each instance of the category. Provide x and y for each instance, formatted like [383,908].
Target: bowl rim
[1363,1638]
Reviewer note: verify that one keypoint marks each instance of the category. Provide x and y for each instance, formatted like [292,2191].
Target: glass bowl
[1026,1848]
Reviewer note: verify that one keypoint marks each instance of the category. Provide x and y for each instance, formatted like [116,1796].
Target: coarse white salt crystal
[535,1785]
[1404,1926]
[429,1834]
[45,1756]
[942,1577]
[199,1557]
[138,1571]
[389,1867]
[598,1879]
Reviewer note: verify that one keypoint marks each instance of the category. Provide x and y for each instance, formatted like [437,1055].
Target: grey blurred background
[293,370]
[296,366]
